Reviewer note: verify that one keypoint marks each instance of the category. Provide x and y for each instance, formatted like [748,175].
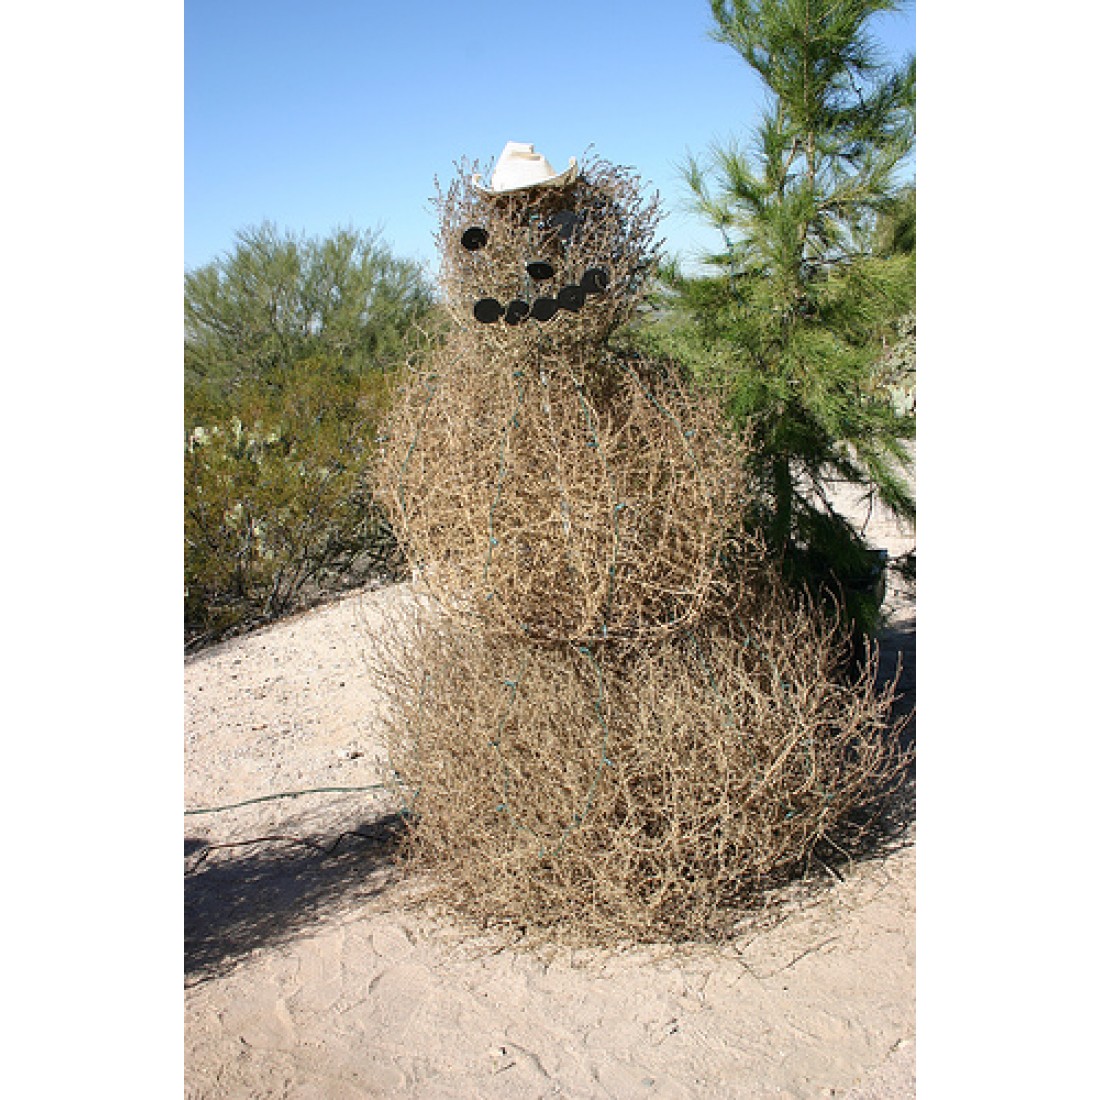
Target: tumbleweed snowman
[604,714]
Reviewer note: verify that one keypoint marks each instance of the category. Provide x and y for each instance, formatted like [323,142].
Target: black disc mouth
[571,297]
[595,280]
[544,308]
[540,270]
[488,310]
[474,238]
[517,310]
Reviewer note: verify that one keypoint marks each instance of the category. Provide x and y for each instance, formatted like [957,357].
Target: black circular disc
[517,310]
[595,280]
[539,270]
[488,310]
[474,238]
[566,222]
[571,297]
[544,309]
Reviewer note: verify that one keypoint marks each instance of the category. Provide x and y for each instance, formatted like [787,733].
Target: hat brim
[562,179]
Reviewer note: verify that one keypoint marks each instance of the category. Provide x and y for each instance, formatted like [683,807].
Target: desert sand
[312,972]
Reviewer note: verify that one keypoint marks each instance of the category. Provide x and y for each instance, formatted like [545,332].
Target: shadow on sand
[890,821]
[899,643]
[267,891]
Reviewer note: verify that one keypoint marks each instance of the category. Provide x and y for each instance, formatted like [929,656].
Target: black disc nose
[540,270]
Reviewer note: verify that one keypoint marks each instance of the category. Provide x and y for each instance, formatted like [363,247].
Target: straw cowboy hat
[519,167]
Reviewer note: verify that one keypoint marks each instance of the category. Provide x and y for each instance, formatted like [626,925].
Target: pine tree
[814,276]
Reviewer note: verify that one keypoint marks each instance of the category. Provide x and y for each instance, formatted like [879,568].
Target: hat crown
[520,167]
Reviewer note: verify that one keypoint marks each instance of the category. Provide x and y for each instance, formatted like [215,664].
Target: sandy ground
[311,974]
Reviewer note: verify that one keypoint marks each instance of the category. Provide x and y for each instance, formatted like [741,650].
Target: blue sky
[342,112]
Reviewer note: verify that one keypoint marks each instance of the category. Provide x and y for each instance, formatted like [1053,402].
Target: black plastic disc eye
[565,222]
[488,310]
[544,309]
[595,280]
[571,297]
[517,310]
[474,238]
[539,270]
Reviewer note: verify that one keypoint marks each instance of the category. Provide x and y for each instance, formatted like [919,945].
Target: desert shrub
[279,298]
[278,503]
[290,346]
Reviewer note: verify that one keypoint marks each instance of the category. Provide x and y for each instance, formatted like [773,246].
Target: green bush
[290,345]
[278,506]
[280,298]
